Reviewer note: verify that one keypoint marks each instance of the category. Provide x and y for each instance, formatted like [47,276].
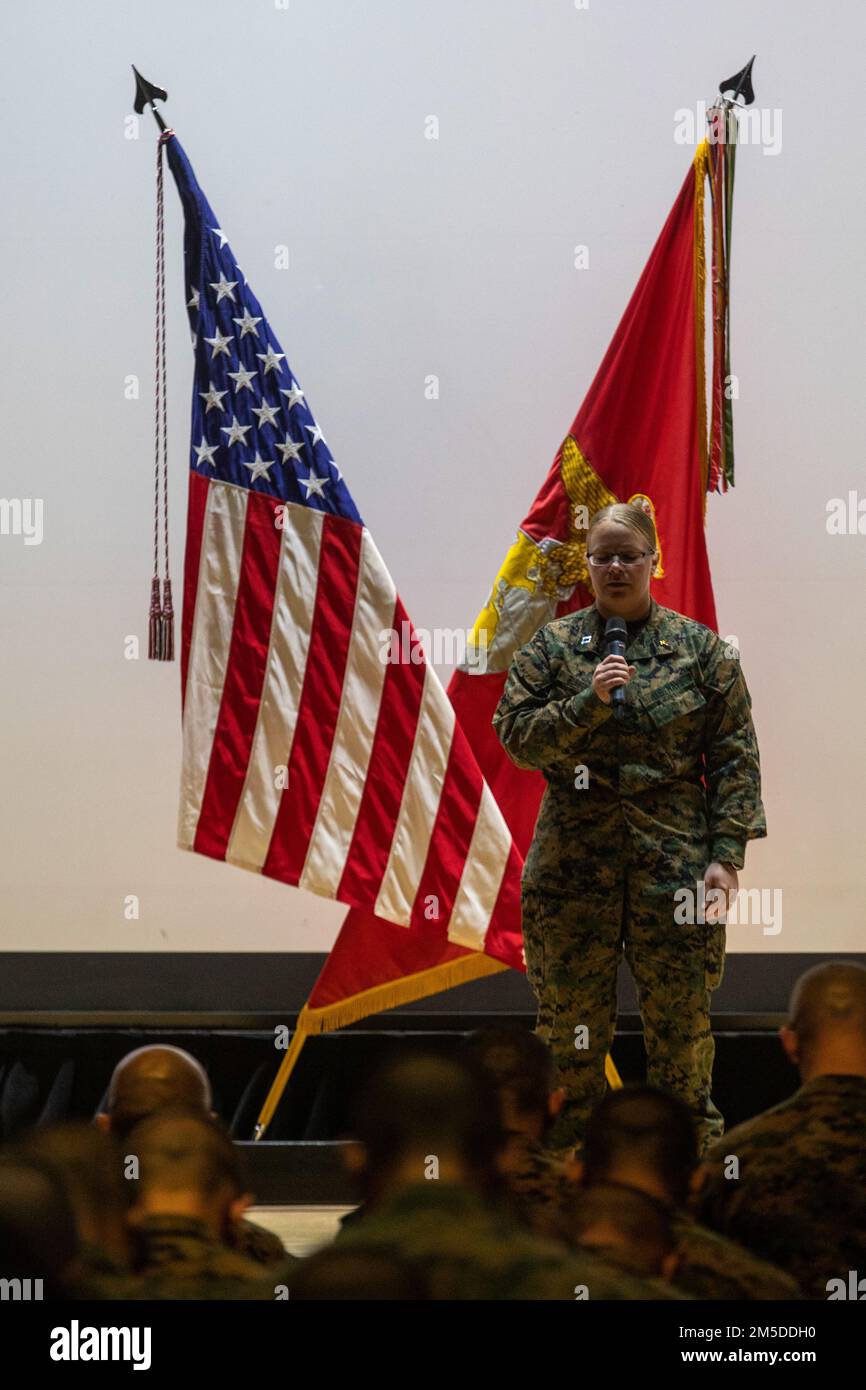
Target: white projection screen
[386,258]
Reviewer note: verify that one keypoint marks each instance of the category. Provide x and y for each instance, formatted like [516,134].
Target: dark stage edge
[240,986]
[52,1074]
[66,1018]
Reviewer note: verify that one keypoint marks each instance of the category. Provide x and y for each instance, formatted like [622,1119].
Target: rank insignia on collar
[586,639]
[663,643]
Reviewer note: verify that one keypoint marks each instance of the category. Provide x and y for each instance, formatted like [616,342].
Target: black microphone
[615,643]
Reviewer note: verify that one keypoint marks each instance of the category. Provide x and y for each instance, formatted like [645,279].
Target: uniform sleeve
[733,769]
[535,728]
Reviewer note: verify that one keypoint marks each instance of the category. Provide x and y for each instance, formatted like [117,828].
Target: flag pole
[734,93]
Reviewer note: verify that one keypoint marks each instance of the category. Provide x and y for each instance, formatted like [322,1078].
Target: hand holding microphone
[613,672]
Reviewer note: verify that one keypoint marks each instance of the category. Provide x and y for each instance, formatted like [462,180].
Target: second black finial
[738,89]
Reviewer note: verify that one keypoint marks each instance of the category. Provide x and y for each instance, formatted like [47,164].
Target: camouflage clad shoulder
[709,1265]
[539,1185]
[178,1258]
[259,1244]
[799,1194]
[468,1250]
[713,1267]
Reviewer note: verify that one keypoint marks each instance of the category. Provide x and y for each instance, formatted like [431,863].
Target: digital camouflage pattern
[608,857]
[800,1197]
[710,1266]
[102,1275]
[713,1267]
[539,1183]
[259,1244]
[176,1257]
[469,1249]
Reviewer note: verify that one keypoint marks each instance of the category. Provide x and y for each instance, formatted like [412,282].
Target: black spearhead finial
[146,94]
[738,89]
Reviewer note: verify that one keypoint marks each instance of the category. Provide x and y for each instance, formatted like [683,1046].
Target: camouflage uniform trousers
[619,899]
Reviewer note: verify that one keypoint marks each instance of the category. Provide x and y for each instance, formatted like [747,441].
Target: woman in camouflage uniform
[642,802]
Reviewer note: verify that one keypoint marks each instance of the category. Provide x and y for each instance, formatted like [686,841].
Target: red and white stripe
[306,757]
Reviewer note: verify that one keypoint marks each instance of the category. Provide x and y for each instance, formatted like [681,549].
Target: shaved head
[829,999]
[181,1150]
[152,1078]
[428,1104]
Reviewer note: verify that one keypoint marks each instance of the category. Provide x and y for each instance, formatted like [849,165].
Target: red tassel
[154,632]
[167,624]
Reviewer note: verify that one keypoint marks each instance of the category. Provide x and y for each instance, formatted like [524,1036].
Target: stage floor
[301,1229]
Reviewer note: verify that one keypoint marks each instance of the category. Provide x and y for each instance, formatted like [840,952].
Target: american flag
[306,756]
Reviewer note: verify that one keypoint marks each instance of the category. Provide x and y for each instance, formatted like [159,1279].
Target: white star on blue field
[251,423]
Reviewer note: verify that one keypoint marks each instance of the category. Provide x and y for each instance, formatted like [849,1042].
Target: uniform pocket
[672,701]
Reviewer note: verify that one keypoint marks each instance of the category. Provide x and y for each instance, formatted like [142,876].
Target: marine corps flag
[641,435]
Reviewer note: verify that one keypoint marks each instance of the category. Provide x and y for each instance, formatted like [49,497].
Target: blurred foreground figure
[427,1141]
[791,1183]
[627,1227]
[39,1251]
[89,1166]
[189,1194]
[646,1140]
[337,1274]
[148,1080]
[519,1066]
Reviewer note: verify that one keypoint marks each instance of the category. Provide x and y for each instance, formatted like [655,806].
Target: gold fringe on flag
[390,995]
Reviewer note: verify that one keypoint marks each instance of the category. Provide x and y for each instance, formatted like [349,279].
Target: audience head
[148,1079]
[520,1068]
[88,1164]
[420,1111]
[625,1226]
[38,1239]
[187,1166]
[826,1029]
[644,1137]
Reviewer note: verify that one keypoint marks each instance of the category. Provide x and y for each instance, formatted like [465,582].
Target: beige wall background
[409,257]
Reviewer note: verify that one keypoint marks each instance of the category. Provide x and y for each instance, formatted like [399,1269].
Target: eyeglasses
[600,559]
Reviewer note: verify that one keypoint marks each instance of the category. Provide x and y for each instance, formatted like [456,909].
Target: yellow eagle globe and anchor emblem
[537,575]
[587,495]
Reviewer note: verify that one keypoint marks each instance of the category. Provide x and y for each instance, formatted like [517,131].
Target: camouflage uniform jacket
[259,1244]
[713,1267]
[177,1257]
[103,1275]
[800,1197]
[470,1249]
[539,1186]
[710,1266]
[687,716]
